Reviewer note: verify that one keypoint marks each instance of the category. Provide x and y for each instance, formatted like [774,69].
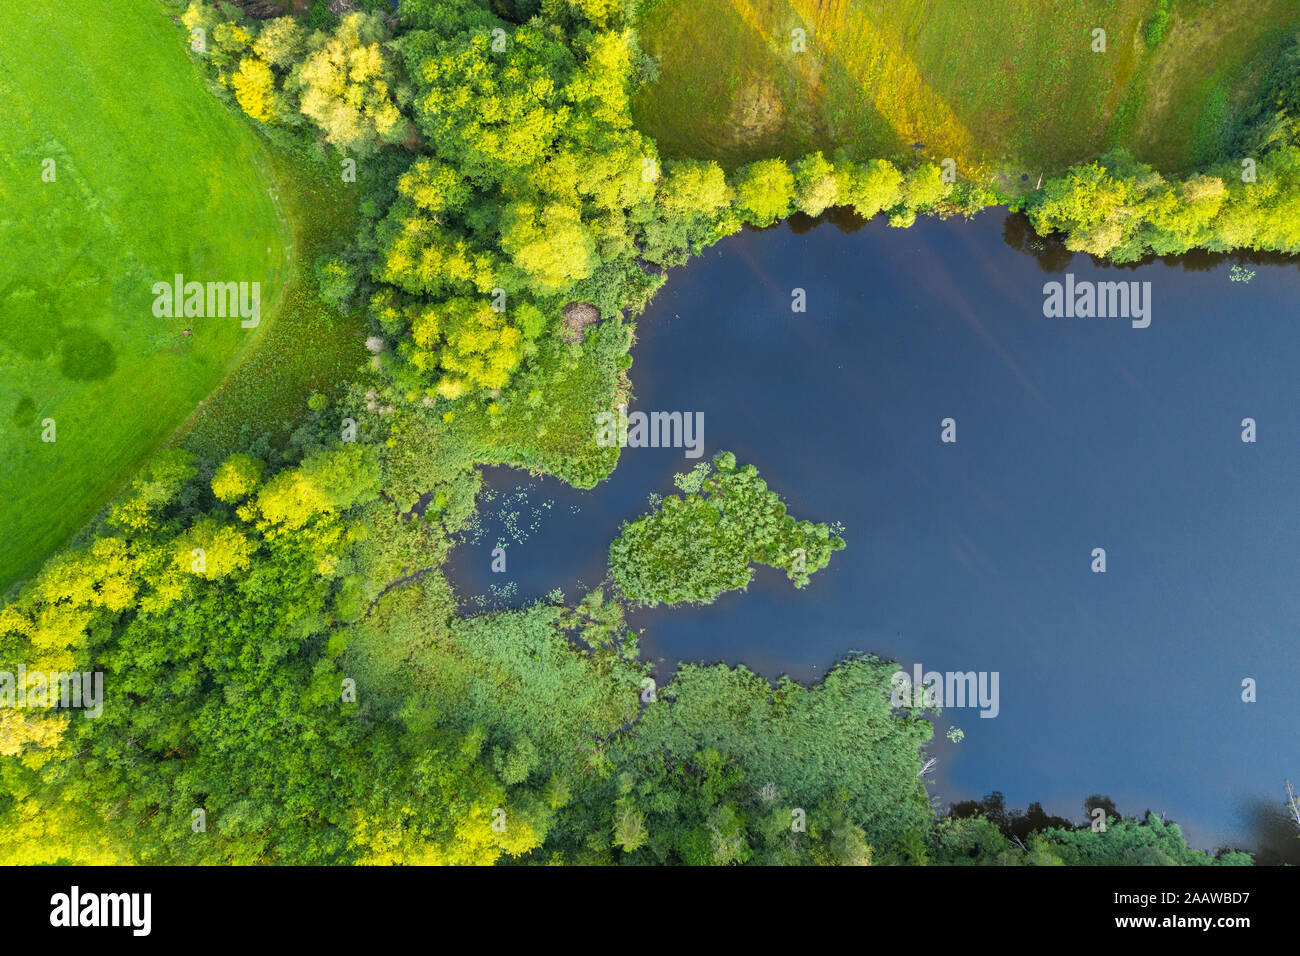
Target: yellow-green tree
[352,88]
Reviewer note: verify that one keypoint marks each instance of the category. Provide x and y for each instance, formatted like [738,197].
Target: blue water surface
[1072,434]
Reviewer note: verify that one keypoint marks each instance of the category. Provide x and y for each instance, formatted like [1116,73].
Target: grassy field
[309,347]
[1002,86]
[1205,70]
[152,177]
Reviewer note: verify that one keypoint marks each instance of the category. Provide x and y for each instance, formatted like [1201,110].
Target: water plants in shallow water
[693,548]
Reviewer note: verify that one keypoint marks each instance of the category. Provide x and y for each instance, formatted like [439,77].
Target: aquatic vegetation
[694,548]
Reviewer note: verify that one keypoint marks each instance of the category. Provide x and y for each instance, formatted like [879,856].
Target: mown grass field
[1009,86]
[153,177]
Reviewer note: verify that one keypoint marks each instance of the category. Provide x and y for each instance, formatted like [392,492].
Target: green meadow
[309,346]
[1002,86]
[151,177]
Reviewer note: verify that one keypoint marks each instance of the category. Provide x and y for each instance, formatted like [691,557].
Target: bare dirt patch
[756,112]
[577,316]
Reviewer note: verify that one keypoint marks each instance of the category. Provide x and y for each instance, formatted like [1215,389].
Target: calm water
[1072,434]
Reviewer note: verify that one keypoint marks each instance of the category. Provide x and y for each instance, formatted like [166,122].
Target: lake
[1072,434]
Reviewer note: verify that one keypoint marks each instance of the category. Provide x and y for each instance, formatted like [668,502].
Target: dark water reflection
[1072,434]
